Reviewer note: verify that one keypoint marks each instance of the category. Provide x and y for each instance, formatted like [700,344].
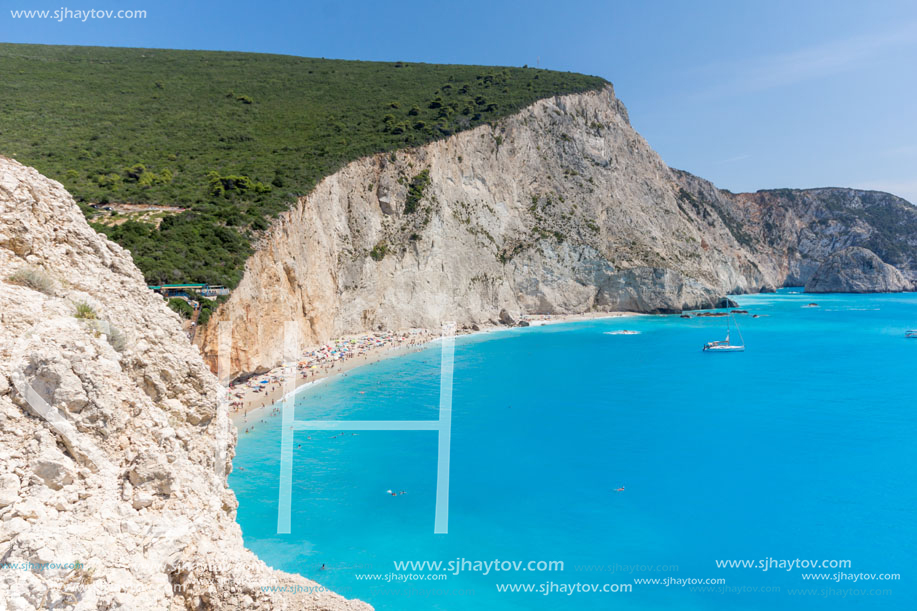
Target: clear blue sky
[748,94]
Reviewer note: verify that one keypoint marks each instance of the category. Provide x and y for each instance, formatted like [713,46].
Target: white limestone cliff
[561,208]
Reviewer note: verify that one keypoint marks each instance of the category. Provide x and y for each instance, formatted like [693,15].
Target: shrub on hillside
[115,337]
[84,311]
[378,251]
[182,307]
[33,277]
[416,190]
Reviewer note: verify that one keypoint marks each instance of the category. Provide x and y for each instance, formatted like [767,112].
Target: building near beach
[185,290]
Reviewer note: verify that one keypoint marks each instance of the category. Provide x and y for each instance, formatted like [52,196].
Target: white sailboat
[726,345]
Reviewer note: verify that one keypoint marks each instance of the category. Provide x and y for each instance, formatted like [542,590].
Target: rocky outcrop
[562,208]
[856,270]
[790,232]
[113,447]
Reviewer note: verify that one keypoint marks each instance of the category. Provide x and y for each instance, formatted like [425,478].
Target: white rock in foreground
[108,458]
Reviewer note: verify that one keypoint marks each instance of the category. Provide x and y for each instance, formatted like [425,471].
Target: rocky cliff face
[856,270]
[113,449]
[562,208]
[791,232]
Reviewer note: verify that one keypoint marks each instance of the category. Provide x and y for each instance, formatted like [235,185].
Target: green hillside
[232,138]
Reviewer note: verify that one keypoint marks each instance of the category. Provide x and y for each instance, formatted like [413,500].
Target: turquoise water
[802,447]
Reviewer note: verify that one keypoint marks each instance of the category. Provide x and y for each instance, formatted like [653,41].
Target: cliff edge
[562,208]
[113,447]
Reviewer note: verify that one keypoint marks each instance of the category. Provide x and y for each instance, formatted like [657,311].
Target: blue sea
[800,449]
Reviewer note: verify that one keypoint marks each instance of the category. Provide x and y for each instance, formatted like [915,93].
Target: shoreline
[335,358]
[252,402]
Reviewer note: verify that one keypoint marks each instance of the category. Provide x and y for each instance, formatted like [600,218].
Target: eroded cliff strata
[561,208]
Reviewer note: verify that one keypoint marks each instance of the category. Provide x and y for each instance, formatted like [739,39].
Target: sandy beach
[339,356]
[332,358]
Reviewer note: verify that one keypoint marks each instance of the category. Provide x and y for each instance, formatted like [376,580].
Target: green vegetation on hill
[232,137]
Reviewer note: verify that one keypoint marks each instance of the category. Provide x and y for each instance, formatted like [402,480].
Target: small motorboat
[726,345]
[911,334]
